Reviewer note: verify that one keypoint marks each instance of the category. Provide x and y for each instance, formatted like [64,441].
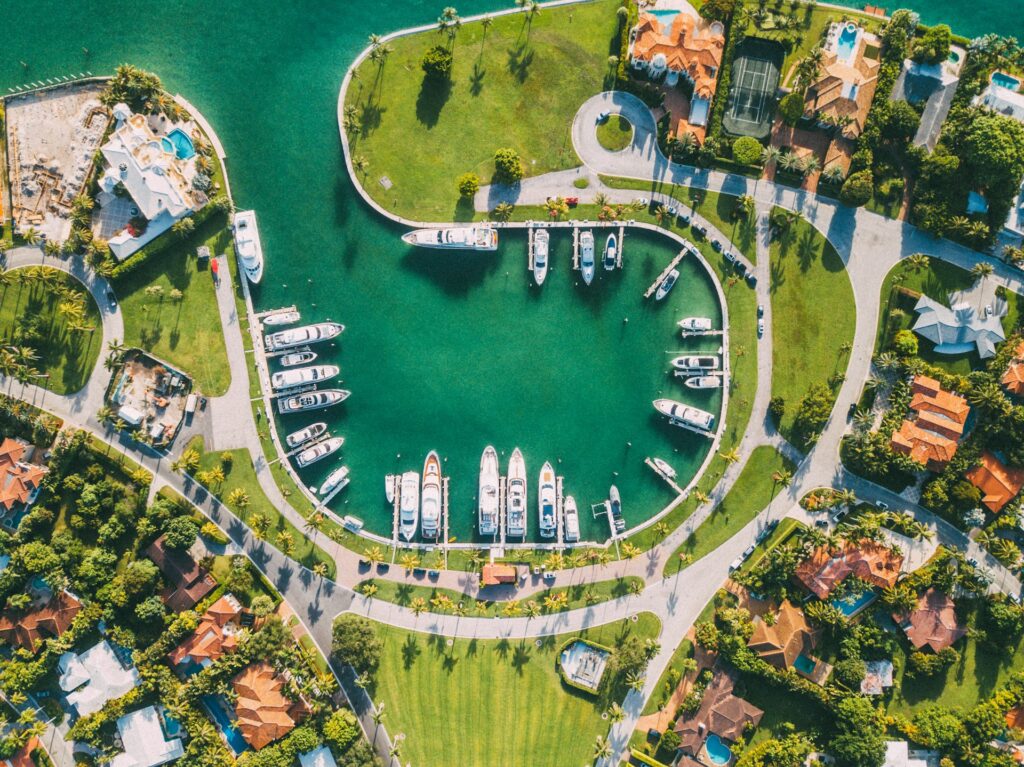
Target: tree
[933,46]
[239,499]
[355,643]
[341,729]
[183,227]
[150,609]
[503,211]
[747,150]
[717,10]
[437,63]
[602,749]
[992,146]
[791,108]
[468,184]
[905,343]
[860,738]
[857,189]
[181,533]
[508,167]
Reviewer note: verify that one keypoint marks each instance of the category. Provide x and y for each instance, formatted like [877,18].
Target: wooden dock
[671,482]
[282,352]
[502,506]
[444,520]
[672,265]
[529,248]
[559,512]
[695,333]
[621,240]
[576,248]
[396,508]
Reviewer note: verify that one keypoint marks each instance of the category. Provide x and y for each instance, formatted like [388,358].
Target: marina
[664,275]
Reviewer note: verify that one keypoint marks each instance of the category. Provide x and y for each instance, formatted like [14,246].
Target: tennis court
[755,81]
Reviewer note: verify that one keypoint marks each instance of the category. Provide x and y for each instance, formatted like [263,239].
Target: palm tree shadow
[476,80]
[520,657]
[519,61]
[410,651]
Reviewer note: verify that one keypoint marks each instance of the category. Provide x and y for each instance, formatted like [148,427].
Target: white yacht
[615,509]
[307,334]
[409,505]
[430,512]
[454,238]
[515,518]
[546,502]
[666,285]
[664,468]
[695,324]
[611,252]
[587,263]
[248,246]
[289,317]
[302,436]
[389,487]
[336,480]
[541,241]
[299,376]
[487,513]
[685,416]
[312,400]
[571,521]
[697,362]
[704,382]
[319,451]
[296,358]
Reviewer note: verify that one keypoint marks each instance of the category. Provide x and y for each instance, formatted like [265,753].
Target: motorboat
[664,468]
[704,382]
[615,509]
[409,505]
[541,241]
[666,285]
[248,246]
[587,263]
[312,400]
[546,502]
[685,416]
[302,436]
[389,487]
[696,362]
[695,324]
[572,520]
[454,238]
[430,511]
[515,517]
[296,358]
[336,480]
[611,253]
[487,512]
[319,451]
[307,334]
[286,379]
[289,317]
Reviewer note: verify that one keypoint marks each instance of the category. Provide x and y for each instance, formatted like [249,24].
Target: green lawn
[813,315]
[683,652]
[222,567]
[32,304]
[753,491]
[615,133]
[186,332]
[782,533]
[782,710]
[516,84]
[480,703]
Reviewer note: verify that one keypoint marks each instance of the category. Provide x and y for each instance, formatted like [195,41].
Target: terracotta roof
[28,629]
[930,436]
[494,574]
[781,643]
[928,395]
[1015,718]
[924,447]
[24,756]
[933,622]
[831,94]
[18,479]
[264,712]
[720,712]
[215,635]
[998,483]
[188,581]
[1013,378]
[689,45]
[871,562]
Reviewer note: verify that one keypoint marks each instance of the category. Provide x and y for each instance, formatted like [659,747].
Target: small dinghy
[611,253]
[282,318]
[297,358]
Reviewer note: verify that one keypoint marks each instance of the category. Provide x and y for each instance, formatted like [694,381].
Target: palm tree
[661,214]
[409,561]
[31,236]
[615,713]
[989,396]
[701,497]
[981,271]
[746,205]
[887,361]
[602,749]
[635,680]
[770,154]
[782,478]
[320,569]
[418,605]
[375,554]
[378,714]
[731,456]
[810,164]
[919,261]
[314,524]
[833,174]
[789,162]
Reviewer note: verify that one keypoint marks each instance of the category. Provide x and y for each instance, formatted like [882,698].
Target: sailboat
[516,516]
[409,505]
[546,502]
[487,512]
[430,511]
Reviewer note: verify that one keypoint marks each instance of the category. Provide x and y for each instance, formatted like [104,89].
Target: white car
[760,328]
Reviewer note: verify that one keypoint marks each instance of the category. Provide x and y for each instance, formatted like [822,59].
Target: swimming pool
[177,141]
[717,750]
[804,665]
[1004,80]
[216,704]
[849,605]
[846,44]
[665,15]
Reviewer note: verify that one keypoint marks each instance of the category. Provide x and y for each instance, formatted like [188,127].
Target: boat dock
[671,482]
[444,520]
[529,248]
[695,333]
[396,504]
[672,265]
[307,444]
[330,496]
[576,248]
[559,512]
[502,507]
[281,310]
[282,352]
[621,239]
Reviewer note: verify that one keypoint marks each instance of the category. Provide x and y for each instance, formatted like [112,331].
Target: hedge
[164,242]
[641,757]
[561,671]
[632,17]
[734,35]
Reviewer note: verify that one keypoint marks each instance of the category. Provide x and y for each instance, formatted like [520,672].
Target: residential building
[30,628]
[826,568]
[933,622]
[958,329]
[877,677]
[20,479]
[788,642]
[898,754]
[1013,378]
[92,678]
[1007,102]
[998,483]
[264,712]
[144,741]
[320,757]
[23,758]
[216,634]
[720,713]
[187,581]
[842,93]
[931,434]
[494,574]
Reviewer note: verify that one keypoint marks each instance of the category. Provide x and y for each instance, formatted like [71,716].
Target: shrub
[211,532]
[791,108]
[857,189]
[850,671]
[508,167]
[184,227]
[437,63]
[469,184]
[933,47]
[181,533]
[341,730]
[717,10]
[777,408]
[746,150]
[905,343]
[355,643]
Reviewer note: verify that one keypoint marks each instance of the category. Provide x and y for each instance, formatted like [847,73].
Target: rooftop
[933,623]
[23,758]
[144,741]
[28,629]
[264,712]
[871,562]
[782,642]
[320,757]
[931,434]
[215,635]
[20,476]
[493,574]
[1013,378]
[93,677]
[998,483]
[958,329]
[1002,100]
[188,582]
[845,87]
[720,712]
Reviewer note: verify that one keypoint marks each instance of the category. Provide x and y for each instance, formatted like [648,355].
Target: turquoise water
[804,664]
[847,42]
[717,750]
[849,605]
[1005,81]
[182,144]
[215,704]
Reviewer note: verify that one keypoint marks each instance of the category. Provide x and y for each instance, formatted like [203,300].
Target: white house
[1009,103]
[145,743]
[958,330]
[91,678]
[319,757]
[898,754]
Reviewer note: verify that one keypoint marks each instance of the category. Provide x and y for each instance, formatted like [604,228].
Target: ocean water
[442,352]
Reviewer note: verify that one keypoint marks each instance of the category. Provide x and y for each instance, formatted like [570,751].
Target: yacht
[572,520]
[430,512]
[488,498]
[312,400]
[389,487]
[664,468]
[454,238]
[307,334]
[319,451]
[615,509]
[296,358]
[696,362]
[666,285]
[302,436]
[546,502]
[704,382]
[336,480]
[307,375]
[289,317]
[587,263]
[516,509]
[541,240]
[247,245]
[409,505]
[685,416]
[611,252]
[695,324]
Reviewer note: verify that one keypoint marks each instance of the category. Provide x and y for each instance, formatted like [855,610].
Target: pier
[281,310]
[396,504]
[576,247]
[330,496]
[308,443]
[444,520]
[559,512]
[502,504]
[282,352]
[661,277]
[529,247]
[671,482]
[695,333]
[621,239]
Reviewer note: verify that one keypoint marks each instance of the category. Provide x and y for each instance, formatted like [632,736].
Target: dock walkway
[661,277]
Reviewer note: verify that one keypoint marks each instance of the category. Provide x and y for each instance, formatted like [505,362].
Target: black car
[751,280]
[741,268]
[852,411]
[684,219]
[729,257]
[716,246]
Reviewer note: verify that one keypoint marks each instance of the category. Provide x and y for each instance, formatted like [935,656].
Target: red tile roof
[18,479]
[494,574]
[998,483]
[189,583]
[720,712]
[871,562]
[264,712]
[830,93]
[933,623]
[215,635]
[930,436]
[1013,378]
[27,630]
[781,643]
[689,45]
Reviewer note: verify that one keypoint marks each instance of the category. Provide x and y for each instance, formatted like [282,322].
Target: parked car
[751,280]
[821,523]
[760,310]
[730,257]
[882,505]
[741,268]
[684,219]
[760,328]
[851,411]
[716,246]
[603,116]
